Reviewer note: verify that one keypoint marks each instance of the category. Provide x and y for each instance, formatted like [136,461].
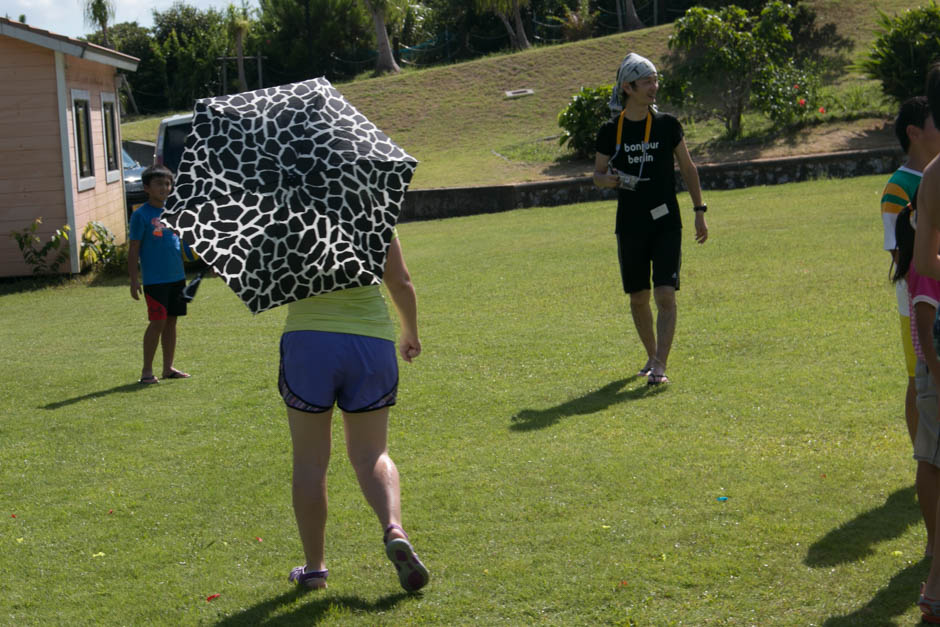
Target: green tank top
[357,310]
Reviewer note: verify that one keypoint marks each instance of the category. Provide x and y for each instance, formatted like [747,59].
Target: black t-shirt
[658,166]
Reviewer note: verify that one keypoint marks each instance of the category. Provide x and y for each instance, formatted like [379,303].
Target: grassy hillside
[456,120]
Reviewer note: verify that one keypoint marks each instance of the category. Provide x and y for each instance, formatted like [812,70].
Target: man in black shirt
[636,152]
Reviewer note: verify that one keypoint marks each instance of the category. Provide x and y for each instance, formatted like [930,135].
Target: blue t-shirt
[161,260]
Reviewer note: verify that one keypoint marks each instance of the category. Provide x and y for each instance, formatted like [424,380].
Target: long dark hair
[904,236]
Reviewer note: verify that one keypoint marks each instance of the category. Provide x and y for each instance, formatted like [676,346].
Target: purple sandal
[412,574]
[314,579]
[929,608]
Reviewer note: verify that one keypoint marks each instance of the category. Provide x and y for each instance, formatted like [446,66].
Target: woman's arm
[400,288]
[923,323]
[927,238]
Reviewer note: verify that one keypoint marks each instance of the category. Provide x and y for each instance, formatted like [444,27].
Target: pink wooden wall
[31,183]
[31,176]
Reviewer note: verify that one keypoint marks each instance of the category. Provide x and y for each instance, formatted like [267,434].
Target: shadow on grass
[892,600]
[610,394]
[118,389]
[854,540]
[311,612]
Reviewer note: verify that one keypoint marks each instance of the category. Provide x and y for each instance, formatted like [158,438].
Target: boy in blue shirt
[157,248]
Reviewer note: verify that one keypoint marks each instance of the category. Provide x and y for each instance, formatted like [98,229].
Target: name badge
[660,211]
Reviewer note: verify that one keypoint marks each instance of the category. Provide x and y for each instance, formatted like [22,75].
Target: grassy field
[769,484]
[456,120]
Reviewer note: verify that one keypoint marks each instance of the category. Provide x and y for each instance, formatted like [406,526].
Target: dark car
[134,194]
[171,138]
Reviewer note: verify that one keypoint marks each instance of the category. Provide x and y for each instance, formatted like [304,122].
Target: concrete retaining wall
[431,204]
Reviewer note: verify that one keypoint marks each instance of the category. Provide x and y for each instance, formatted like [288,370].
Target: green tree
[190,41]
[301,37]
[98,13]
[510,14]
[385,60]
[239,24]
[149,82]
[719,55]
[904,50]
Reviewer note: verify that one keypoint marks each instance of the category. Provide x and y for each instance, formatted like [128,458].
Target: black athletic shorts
[165,299]
[662,250]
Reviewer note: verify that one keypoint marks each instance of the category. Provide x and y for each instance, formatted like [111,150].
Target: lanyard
[646,135]
[646,139]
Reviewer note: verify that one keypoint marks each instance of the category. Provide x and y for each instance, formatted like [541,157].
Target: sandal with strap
[412,574]
[929,608]
[657,379]
[314,579]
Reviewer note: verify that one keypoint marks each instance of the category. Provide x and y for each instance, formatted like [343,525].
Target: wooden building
[60,139]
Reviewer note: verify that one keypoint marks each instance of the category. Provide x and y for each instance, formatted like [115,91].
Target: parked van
[171,137]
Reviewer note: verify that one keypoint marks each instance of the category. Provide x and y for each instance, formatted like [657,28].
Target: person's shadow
[610,394]
[311,612]
[892,600]
[853,540]
[118,389]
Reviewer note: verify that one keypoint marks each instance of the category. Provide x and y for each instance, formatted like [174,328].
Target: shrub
[786,94]
[37,256]
[904,50]
[99,251]
[582,117]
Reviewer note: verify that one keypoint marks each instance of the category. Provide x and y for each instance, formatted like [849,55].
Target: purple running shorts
[319,368]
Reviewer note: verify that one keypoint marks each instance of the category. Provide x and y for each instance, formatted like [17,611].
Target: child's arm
[400,288]
[133,255]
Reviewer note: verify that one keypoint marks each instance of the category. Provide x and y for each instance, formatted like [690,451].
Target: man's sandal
[314,579]
[657,379]
[412,574]
[929,608]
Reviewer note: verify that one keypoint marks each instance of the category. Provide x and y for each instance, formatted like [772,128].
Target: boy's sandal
[657,379]
[412,574]
[929,608]
[645,371]
[314,579]
[148,380]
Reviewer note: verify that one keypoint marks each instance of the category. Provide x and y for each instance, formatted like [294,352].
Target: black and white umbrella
[288,192]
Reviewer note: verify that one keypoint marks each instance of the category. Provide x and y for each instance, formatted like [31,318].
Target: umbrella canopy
[288,192]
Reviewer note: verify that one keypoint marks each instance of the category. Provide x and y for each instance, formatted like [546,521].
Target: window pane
[110,136]
[83,139]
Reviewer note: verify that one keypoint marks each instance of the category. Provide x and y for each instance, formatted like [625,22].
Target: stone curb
[450,202]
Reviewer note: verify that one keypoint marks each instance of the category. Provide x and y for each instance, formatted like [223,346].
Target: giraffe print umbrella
[288,192]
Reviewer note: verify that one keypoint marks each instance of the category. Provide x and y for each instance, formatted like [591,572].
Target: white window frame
[114,175]
[86,182]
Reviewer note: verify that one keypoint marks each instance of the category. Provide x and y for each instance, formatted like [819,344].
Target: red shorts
[164,300]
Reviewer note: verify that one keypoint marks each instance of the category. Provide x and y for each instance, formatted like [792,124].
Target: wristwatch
[702,208]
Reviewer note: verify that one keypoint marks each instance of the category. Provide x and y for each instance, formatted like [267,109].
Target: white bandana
[632,67]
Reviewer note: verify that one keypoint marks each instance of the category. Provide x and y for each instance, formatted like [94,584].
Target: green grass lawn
[541,482]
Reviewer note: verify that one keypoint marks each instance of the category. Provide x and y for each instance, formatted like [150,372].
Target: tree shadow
[854,540]
[892,600]
[118,389]
[310,613]
[610,394]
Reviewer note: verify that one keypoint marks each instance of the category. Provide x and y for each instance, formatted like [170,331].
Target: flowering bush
[787,94]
